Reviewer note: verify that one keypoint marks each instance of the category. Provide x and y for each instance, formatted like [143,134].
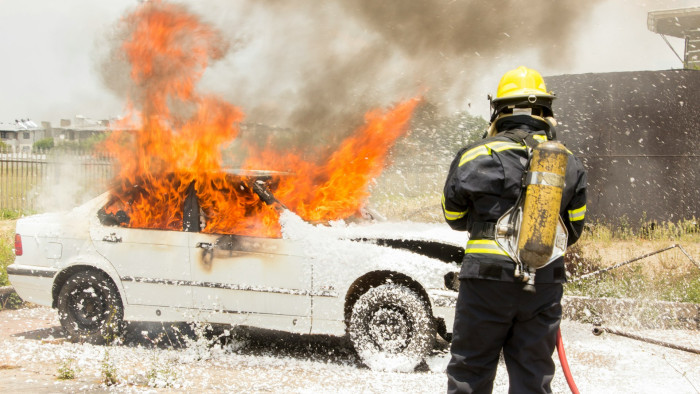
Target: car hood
[431,232]
[335,243]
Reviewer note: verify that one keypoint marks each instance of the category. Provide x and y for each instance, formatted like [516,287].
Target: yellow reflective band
[504,145]
[472,154]
[577,214]
[484,246]
[497,146]
[451,215]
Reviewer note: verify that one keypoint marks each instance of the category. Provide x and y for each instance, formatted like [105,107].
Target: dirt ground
[33,349]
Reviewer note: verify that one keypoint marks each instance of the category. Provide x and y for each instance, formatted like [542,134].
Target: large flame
[167,155]
[337,188]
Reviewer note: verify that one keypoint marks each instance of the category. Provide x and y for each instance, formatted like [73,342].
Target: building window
[25,135]
[3,134]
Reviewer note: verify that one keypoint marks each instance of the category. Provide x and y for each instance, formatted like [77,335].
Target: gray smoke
[316,67]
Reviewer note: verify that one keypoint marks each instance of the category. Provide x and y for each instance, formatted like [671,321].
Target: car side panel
[251,280]
[153,265]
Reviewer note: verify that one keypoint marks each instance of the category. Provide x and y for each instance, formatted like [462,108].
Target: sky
[52,53]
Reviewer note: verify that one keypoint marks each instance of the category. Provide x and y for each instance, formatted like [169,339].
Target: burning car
[387,286]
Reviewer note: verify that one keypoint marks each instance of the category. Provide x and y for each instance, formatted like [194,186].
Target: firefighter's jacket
[484,181]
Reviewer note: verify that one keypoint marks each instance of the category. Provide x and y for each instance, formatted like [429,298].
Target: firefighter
[496,311]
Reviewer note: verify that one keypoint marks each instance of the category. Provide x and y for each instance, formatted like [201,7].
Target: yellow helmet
[522,82]
[521,87]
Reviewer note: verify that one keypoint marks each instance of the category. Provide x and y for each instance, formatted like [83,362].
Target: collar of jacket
[524,122]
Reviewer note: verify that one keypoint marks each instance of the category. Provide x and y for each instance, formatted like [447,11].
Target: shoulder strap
[521,137]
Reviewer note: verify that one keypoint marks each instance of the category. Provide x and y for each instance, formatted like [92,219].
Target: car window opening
[192,215]
[213,203]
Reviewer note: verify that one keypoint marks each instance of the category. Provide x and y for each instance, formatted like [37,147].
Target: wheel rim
[390,329]
[87,307]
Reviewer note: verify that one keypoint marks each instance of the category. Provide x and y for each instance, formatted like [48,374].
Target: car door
[251,280]
[153,265]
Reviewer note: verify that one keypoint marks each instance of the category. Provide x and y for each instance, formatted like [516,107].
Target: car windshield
[230,202]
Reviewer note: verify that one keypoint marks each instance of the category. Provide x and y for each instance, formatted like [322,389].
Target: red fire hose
[565,364]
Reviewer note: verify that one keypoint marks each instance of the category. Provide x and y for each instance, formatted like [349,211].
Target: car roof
[255,173]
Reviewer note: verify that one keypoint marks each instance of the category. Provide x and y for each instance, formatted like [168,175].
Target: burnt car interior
[191,212]
[193,217]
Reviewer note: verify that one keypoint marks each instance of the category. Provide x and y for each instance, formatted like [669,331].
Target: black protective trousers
[492,316]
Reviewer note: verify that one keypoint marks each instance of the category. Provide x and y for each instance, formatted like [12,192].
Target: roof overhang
[680,23]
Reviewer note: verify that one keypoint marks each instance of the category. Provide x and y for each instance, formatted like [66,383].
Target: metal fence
[51,180]
[60,180]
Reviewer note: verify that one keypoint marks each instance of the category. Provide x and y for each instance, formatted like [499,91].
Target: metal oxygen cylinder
[540,216]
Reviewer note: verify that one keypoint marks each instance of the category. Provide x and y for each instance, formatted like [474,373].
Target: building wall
[638,134]
[21,140]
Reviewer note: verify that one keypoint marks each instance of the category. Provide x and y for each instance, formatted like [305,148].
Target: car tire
[90,309]
[391,328]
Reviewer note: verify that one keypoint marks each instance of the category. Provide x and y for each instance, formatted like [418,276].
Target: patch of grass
[66,369]
[577,262]
[681,289]
[7,254]
[161,374]
[109,370]
[666,277]
[683,231]
[11,302]
[10,214]
[669,279]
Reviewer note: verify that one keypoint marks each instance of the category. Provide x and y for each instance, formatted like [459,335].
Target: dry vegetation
[667,276]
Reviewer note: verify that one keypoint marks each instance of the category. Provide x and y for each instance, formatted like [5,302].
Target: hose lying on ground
[599,330]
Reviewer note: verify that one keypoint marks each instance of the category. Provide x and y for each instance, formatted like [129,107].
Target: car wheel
[391,328]
[89,308]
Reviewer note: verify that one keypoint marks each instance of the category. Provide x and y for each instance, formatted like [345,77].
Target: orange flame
[167,154]
[338,188]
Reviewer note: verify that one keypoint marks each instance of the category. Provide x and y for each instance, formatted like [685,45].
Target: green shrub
[89,144]
[12,302]
[43,144]
[7,255]
[9,214]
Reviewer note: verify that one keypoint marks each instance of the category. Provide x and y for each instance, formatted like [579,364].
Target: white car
[390,286]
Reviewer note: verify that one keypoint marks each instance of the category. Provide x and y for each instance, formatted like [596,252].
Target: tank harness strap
[522,137]
[526,138]
[482,230]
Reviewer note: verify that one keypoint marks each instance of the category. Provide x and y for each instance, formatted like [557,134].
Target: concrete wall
[638,134]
